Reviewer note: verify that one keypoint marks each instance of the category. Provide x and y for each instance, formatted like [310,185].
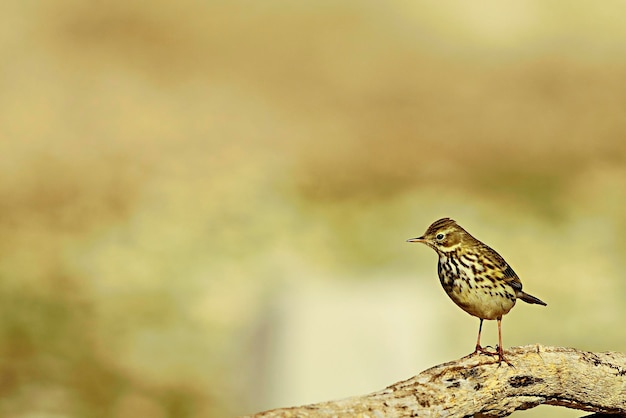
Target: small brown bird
[475,277]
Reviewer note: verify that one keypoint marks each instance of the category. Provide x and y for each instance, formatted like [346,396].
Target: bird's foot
[501,358]
[485,350]
[482,350]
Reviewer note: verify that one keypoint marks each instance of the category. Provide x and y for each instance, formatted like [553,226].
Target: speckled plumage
[474,275]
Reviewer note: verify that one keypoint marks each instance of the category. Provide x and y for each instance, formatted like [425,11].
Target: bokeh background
[204,205]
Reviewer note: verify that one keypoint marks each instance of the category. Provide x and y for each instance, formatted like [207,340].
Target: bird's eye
[439,237]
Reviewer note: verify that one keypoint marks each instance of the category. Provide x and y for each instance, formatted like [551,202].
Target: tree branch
[478,385]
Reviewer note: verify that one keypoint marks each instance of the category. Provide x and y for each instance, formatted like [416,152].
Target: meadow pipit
[475,277]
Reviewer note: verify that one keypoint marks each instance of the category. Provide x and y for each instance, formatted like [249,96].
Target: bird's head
[443,236]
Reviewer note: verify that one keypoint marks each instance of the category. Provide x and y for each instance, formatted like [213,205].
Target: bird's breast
[477,293]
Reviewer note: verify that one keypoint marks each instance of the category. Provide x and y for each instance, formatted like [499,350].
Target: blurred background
[204,205]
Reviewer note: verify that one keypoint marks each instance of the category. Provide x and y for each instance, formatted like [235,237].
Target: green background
[204,205]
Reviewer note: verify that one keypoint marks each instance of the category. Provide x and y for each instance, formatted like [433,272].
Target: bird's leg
[480,328]
[500,349]
[478,348]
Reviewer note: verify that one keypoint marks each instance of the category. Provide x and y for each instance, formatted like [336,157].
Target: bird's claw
[501,358]
[484,350]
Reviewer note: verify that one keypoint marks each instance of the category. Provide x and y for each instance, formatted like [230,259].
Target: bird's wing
[511,278]
[502,268]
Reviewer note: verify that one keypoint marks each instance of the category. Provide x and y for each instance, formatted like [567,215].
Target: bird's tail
[530,298]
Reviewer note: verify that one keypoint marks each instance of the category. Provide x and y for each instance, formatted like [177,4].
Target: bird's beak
[418,239]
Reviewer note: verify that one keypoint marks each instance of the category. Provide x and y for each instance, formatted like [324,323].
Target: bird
[475,277]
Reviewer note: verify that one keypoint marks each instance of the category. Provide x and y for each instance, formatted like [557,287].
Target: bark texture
[479,386]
